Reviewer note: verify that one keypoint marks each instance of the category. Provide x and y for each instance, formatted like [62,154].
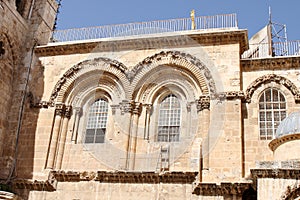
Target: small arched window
[97,120]
[272,110]
[169,119]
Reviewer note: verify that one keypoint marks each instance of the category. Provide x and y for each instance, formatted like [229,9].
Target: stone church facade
[182,114]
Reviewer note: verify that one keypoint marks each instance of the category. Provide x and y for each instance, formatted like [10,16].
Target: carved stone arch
[268,79]
[185,61]
[91,81]
[82,71]
[292,193]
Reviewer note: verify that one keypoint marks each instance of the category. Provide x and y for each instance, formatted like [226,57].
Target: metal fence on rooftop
[276,49]
[145,28]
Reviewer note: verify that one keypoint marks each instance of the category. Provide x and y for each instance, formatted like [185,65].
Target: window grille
[272,110]
[97,120]
[169,119]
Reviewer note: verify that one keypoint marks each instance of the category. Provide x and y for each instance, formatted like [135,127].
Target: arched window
[97,120]
[169,119]
[272,110]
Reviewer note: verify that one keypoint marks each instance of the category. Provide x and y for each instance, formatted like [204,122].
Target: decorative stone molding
[234,95]
[72,71]
[212,189]
[165,41]
[137,108]
[126,107]
[283,139]
[35,185]
[180,56]
[68,112]
[146,177]
[114,108]
[203,103]
[292,192]
[274,63]
[131,107]
[126,177]
[60,109]
[275,173]
[272,78]
[287,164]
[130,77]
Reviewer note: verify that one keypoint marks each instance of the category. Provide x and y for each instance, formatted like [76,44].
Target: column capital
[203,103]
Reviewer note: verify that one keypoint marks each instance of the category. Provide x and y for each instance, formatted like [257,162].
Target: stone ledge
[157,42]
[275,173]
[274,144]
[212,189]
[272,63]
[126,177]
[34,185]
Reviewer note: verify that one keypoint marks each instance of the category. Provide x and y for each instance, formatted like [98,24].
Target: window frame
[171,114]
[268,106]
[92,124]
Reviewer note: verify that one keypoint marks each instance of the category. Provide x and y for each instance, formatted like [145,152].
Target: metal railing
[145,28]
[263,50]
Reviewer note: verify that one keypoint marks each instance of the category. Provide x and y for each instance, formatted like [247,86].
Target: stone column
[203,106]
[126,110]
[63,136]
[147,121]
[136,111]
[59,113]
[77,113]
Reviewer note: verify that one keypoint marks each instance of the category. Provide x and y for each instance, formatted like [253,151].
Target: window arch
[97,121]
[272,110]
[169,119]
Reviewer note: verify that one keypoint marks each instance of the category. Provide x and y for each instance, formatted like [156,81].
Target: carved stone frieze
[125,177]
[230,95]
[203,103]
[130,74]
[212,189]
[272,78]
[60,109]
[72,71]
[34,185]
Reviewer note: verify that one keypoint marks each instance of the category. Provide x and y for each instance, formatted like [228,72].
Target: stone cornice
[160,41]
[35,185]
[273,63]
[275,173]
[274,144]
[126,177]
[212,189]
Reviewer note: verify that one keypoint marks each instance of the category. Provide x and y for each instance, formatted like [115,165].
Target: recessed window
[272,110]
[169,119]
[97,120]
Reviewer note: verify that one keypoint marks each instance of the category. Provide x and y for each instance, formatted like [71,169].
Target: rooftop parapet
[224,21]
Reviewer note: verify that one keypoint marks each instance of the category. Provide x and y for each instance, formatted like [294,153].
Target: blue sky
[252,14]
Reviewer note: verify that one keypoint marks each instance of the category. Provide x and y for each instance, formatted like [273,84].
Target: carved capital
[114,108]
[148,107]
[136,108]
[131,107]
[60,109]
[68,112]
[203,103]
[125,107]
